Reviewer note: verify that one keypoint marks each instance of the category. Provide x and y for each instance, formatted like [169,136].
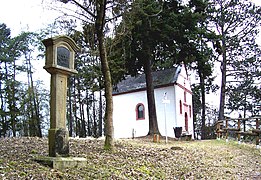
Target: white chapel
[173,99]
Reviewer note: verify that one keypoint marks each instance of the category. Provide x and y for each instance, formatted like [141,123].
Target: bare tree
[98,13]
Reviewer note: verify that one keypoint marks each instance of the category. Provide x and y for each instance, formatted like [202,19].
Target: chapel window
[140,111]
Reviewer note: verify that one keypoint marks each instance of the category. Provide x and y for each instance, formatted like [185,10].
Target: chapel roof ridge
[138,82]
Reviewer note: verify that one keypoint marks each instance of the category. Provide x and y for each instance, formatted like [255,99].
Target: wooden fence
[238,126]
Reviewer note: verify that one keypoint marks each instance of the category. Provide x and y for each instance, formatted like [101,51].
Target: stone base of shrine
[62,162]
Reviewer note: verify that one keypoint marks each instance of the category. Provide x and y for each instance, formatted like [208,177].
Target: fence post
[218,130]
[238,135]
[226,129]
[257,136]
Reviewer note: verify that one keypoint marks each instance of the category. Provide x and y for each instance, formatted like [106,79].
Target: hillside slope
[134,159]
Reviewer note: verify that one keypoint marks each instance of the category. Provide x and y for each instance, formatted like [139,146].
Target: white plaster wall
[124,115]
[169,110]
[190,118]
[179,117]
[183,81]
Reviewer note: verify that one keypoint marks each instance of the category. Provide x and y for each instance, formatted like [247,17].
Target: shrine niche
[60,53]
[63,56]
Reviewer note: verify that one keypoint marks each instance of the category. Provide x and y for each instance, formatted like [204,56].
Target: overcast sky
[26,15]
[22,15]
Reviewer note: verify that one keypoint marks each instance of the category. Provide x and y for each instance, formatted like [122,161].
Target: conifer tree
[236,23]
[156,35]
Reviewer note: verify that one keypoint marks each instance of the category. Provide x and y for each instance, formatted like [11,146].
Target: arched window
[180,106]
[140,112]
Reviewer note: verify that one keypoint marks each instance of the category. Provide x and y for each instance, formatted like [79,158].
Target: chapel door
[186,121]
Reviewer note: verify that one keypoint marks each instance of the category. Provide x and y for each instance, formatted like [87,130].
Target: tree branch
[84,8]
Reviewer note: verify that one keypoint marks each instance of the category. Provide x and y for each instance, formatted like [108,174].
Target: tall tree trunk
[32,130]
[244,115]
[203,106]
[69,113]
[37,122]
[3,116]
[1,108]
[4,102]
[89,124]
[83,121]
[38,119]
[82,130]
[194,119]
[25,122]
[223,81]
[75,108]
[8,84]
[94,130]
[223,67]
[153,123]
[30,105]
[13,102]
[35,112]
[100,114]
[99,25]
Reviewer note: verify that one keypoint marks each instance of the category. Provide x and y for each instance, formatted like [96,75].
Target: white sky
[32,15]
[26,15]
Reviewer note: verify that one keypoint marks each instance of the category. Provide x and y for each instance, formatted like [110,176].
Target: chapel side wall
[190,115]
[124,115]
[180,116]
[170,110]
[183,85]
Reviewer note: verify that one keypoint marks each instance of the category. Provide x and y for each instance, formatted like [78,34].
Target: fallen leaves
[133,159]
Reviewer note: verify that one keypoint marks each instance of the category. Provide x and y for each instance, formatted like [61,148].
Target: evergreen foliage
[236,22]
[19,116]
